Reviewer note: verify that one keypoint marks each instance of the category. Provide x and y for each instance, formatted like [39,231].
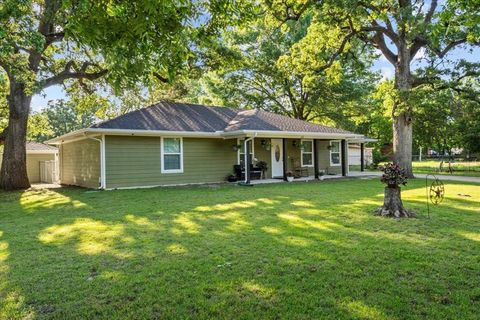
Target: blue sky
[381,65]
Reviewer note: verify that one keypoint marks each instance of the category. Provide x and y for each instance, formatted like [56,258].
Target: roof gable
[37,146]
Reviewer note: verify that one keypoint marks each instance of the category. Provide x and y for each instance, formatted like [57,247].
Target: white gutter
[103,179]
[217,134]
[142,133]
[291,134]
[42,151]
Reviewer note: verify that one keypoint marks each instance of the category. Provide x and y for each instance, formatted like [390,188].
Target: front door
[277,158]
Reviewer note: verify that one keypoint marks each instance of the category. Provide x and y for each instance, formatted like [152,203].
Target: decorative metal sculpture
[435,193]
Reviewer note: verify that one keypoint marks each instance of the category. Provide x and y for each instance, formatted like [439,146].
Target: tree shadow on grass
[308,250]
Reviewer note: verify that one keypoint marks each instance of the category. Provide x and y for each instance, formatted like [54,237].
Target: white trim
[347,165]
[362,140]
[103,165]
[302,152]
[339,152]
[194,134]
[162,161]
[141,133]
[289,134]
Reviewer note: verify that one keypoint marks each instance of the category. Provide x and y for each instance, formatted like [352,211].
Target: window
[335,155]
[307,153]
[172,155]
[241,151]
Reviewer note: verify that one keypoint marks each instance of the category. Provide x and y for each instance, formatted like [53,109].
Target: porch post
[248,160]
[362,156]
[344,155]
[315,157]
[284,147]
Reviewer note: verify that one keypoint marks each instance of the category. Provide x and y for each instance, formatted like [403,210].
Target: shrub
[377,157]
[393,175]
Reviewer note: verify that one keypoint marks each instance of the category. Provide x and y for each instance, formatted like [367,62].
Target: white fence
[48,171]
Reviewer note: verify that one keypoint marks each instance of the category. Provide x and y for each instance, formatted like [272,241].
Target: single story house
[172,143]
[41,162]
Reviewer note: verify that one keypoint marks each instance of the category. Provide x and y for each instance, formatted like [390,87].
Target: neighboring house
[355,154]
[175,143]
[41,162]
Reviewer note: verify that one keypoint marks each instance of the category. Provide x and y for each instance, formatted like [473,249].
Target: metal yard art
[435,192]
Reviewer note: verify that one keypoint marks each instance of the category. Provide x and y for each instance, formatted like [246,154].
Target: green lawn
[283,251]
[471,169]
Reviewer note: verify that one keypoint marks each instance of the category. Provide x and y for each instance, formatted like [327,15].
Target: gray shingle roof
[37,146]
[262,120]
[172,116]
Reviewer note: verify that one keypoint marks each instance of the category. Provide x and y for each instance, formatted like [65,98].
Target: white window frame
[302,153]
[162,153]
[339,153]
[242,143]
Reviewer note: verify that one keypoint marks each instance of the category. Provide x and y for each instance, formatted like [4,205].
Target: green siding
[135,161]
[324,158]
[33,165]
[294,155]
[80,163]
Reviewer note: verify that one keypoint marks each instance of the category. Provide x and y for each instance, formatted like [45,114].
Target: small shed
[42,162]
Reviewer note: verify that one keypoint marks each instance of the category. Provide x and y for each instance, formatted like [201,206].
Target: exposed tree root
[393,206]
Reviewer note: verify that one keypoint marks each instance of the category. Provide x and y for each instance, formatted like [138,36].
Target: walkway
[418,175]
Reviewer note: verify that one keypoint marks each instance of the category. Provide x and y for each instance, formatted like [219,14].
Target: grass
[282,251]
[470,169]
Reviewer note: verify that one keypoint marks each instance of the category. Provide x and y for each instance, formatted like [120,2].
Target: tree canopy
[58,42]
[306,59]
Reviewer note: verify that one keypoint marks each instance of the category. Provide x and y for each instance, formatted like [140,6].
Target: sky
[381,65]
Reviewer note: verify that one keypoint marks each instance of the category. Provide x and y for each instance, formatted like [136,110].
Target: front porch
[299,179]
[302,158]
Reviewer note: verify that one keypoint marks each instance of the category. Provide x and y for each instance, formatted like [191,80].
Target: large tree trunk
[13,174]
[402,113]
[402,142]
[393,205]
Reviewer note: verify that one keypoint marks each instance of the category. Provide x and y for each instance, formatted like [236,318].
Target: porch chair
[255,173]
[298,170]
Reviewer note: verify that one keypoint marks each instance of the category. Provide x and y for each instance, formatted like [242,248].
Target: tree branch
[388,31]
[67,73]
[160,77]
[448,47]
[379,43]
[417,44]
[52,38]
[431,11]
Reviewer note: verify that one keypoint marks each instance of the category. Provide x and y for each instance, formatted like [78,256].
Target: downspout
[103,184]
[246,155]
